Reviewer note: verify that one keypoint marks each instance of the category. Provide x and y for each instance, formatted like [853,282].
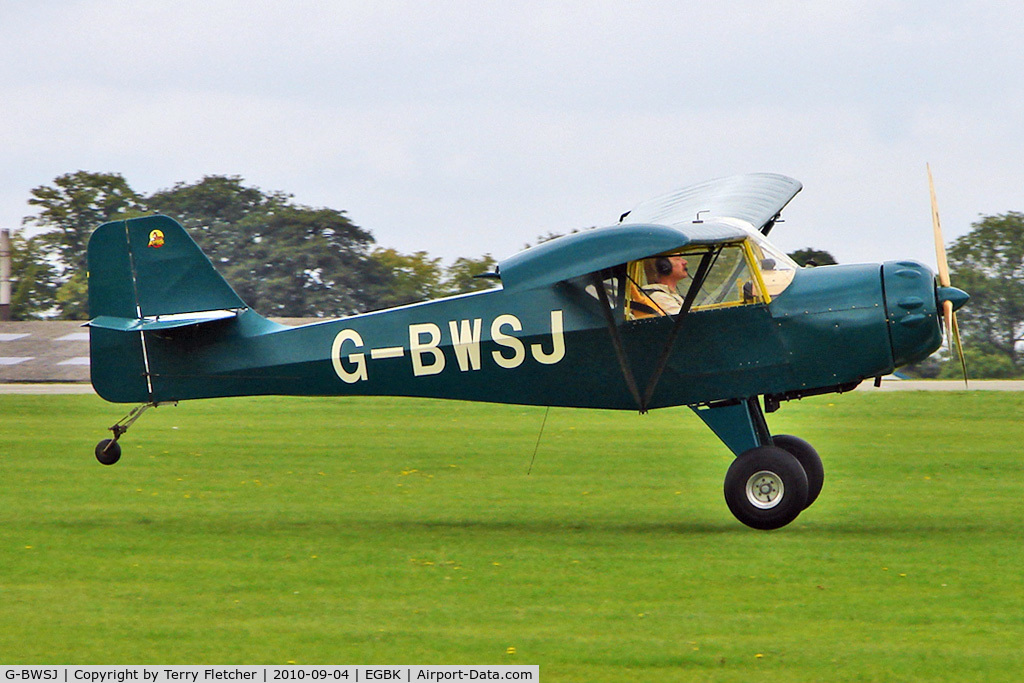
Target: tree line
[289,260]
[283,258]
[988,264]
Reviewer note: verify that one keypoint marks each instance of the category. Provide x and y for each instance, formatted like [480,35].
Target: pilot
[664,273]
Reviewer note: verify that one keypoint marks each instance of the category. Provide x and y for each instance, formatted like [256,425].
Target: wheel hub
[765,489]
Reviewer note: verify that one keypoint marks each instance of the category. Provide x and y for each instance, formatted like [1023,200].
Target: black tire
[809,460]
[766,487]
[108,451]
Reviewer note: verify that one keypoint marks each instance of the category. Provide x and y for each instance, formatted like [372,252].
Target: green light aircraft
[682,302]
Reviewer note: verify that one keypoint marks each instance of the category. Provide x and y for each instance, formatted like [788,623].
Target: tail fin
[147,267]
[145,274]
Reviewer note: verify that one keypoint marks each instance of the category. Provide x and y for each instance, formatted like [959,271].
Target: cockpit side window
[740,273]
[612,281]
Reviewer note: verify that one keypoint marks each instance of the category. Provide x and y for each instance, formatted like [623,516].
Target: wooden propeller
[948,314]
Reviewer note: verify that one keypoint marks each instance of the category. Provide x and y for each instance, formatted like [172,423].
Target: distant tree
[283,259]
[73,297]
[809,256]
[301,261]
[988,263]
[982,363]
[34,285]
[213,208]
[68,211]
[462,276]
[72,207]
[416,277]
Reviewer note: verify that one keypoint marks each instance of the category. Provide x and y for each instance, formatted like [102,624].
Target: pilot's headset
[662,266]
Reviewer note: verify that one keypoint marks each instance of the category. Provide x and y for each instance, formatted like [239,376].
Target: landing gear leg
[773,478]
[108,451]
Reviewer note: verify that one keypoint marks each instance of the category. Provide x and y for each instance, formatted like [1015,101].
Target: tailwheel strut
[108,451]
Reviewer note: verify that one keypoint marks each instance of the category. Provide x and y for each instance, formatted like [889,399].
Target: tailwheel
[809,460]
[766,487]
[108,451]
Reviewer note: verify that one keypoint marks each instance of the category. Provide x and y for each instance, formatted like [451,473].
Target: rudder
[140,270]
[145,267]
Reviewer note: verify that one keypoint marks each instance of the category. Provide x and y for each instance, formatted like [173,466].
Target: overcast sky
[461,128]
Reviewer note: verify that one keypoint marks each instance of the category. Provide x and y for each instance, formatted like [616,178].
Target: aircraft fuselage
[551,346]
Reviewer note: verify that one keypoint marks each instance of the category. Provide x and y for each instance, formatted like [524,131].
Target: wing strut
[620,352]
[695,285]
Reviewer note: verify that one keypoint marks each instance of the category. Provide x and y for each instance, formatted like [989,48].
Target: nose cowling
[911,309]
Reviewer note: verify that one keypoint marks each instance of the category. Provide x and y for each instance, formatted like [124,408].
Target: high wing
[594,250]
[754,198]
[713,212]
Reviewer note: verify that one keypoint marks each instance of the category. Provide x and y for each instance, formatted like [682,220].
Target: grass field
[398,531]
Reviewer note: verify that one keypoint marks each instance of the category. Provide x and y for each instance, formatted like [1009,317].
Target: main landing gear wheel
[809,460]
[108,451]
[766,487]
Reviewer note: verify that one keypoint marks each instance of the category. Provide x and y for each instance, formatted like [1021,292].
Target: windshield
[658,285]
[777,269]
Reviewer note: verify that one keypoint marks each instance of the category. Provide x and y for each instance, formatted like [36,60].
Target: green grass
[398,531]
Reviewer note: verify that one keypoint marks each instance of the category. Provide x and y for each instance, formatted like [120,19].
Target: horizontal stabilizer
[165,322]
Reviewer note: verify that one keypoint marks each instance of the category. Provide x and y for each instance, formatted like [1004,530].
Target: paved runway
[944,385]
[46,388]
